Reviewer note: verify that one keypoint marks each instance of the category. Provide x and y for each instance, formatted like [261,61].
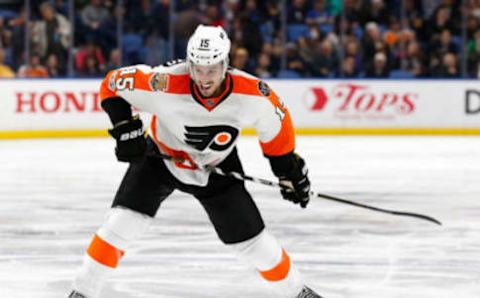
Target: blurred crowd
[270,38]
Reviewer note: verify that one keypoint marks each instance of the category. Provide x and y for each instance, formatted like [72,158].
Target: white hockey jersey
[202,131]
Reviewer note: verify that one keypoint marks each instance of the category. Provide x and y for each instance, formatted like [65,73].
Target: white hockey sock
[272,262]
[91,277]
[121,227]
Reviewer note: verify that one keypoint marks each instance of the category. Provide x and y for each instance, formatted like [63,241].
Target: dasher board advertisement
[38,107]
[382,103]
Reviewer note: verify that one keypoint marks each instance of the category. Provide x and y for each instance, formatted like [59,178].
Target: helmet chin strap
[225,67]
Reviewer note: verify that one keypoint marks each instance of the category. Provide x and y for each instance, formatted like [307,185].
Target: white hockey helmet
[208,45]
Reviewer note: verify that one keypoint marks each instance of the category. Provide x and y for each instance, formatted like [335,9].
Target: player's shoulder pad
[131,78]
[138,77]
[118,75]
[245,83]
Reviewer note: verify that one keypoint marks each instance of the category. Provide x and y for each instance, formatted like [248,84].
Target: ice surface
[54,194]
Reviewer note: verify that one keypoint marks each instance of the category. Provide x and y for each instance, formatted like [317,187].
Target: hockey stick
[244,177]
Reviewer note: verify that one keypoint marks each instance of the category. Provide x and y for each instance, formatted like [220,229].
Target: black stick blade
[399,213]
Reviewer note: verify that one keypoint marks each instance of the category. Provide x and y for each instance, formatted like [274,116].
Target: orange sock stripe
[280,271]
[104,253]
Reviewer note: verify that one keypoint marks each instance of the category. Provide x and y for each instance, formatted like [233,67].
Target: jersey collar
[210,103]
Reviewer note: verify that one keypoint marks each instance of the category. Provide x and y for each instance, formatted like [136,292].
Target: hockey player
[198,107]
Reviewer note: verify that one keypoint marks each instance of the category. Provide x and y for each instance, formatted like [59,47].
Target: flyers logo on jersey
[218,137]
[159,82]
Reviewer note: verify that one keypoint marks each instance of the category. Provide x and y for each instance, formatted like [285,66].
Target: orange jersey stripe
[105,91]
[244,85]
[104,253]
[280,271]
[284,141]
[128,78]
[135,79]
[178,84]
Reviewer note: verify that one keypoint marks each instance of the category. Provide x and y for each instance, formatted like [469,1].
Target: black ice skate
[75,294]
[307,293]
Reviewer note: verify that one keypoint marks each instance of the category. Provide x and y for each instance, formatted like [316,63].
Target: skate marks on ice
[54,194]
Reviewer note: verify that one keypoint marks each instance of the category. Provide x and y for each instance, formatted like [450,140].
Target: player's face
[208,78]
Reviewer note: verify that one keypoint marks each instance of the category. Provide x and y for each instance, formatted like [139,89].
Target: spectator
[5,34]
[61,6]
[379,67]
[5,70]
[319,57]
[53,67]
[263,66]
[297,12]
[326,64]
[443,45]
[374,11]
[295,62]
[159,19]
[348,68]
[240,59]
[156,44]
[106,36]
[137,11]
[415,19]
[250,23]
[236,32]
[415,60]
[272,20]
[392,34]
[185,23]
[452,9]
[114,60]
[274,50]
[88,57]
[440,21]
[17,26]
[372,42]
[230,9]
[473,7]
[320,16]
[448,68]
[156,50]
[51,34]
[213,16]
[93,16]
[473,54]
[34,69]
[92,67]
[351,12]
[352,50]
[417,42]
[400,50]
[184,5]
[472,25]
[309,48]
[429,6]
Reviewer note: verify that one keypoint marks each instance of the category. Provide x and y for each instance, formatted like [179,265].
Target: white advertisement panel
[42,105]
[51,105]
[382,103]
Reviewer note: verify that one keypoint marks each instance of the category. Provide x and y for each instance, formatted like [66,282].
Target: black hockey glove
[298,190]
[131,142]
